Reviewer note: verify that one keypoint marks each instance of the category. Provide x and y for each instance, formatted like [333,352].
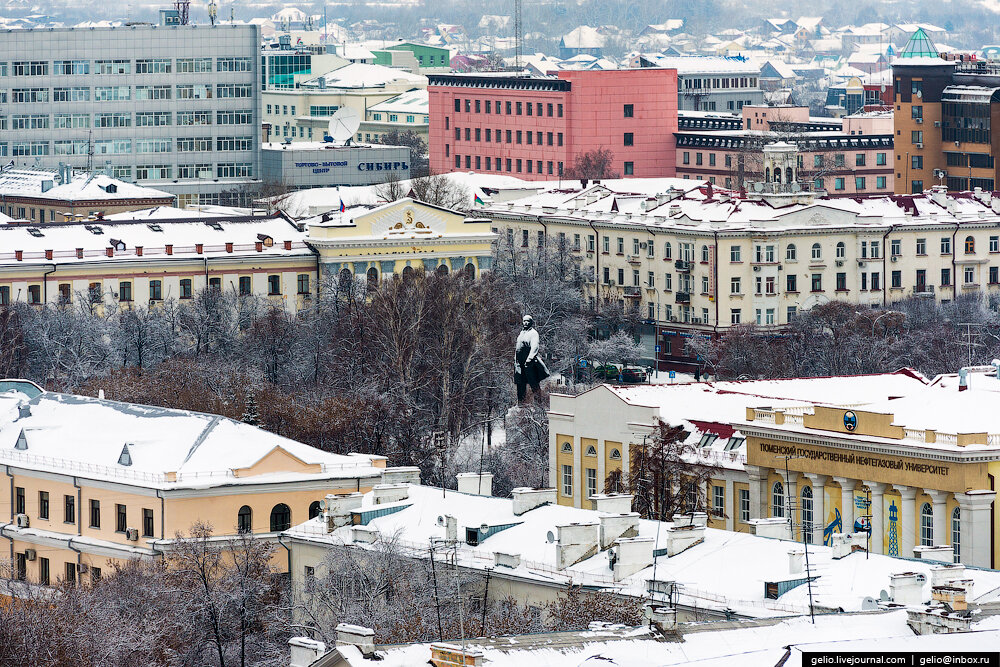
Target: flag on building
[479,201]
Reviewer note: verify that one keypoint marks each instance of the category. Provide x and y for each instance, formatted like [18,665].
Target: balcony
[632,292]
[684,297]
[923,290]
[683,265]
[633,259]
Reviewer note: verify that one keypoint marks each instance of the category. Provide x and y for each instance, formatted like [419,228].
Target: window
[778,500]
[121,518]
[880,160]
[921,246]
[567,480]
[629,168]
[314,507]
[273,284]
[43,504]
[591,479]
[969,276]
[895,247]
[629,139]
[303,283]
[916,136]
[970,245]
[734,253]
[124,291]
[817,282]
[147,522]
[735,286]
[897,279]
[629,110]
[704,254]
[244,285]
[244,518]
[95,513]
[791,282]
[69,509]
[945,245]
[926,525]
[281,517]
[880,182]
[859,183]
[916,111]
[916,161]
[719,501]
[838,183]
[790,252]
[186,288]
[956,533]
[807,514]
[666,250]
[817,251]
[43,571]
[19,503]
[790,313]
[735,316]
[994,275]
[745,505]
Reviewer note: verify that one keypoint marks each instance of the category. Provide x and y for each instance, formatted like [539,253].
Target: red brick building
[534,127]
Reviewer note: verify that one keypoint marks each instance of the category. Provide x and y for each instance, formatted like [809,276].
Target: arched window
[926,525]
[281,518]
[956,533]
[244,520]
[567,447]
[704,253]
[778,499]
[314,509]
[777,174]
[442,269]
[841,250]
[970,245]
[807,514]
[788,175]
[767,174]
[346,277]
[372,278]
[407,271]
[666,250]
[790,252]
[817,251]
[591,451]
[470,270]
[616,455]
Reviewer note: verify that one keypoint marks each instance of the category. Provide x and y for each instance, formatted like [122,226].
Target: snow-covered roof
[81,187]
[364,75]
[64,240]
[688,65]
[583,37]
[157,447]
[784,70]
[410,102]
[708,574]
[704,645]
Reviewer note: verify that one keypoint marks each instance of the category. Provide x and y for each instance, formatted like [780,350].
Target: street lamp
[888,312]
[791,528]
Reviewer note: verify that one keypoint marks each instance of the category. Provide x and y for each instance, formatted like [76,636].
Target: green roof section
[919,46]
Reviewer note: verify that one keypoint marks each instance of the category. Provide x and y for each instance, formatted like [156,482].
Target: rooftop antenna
[517,35]
[213,11]
[183,8]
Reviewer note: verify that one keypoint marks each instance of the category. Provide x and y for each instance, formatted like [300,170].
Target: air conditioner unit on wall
[132,534]
[919,145]
[30,554]
[894,258]
[22,521]
[918,121]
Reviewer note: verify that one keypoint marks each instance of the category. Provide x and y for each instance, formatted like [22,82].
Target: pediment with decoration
[408,220]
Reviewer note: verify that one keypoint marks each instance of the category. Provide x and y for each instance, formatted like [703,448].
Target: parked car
[607,371]
[633,374]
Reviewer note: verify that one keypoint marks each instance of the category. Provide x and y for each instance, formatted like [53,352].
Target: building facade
[125,264]
[321,165]
[694,260]
[830,455]
[124,98]
[91,483]
[536,127]
[713,83]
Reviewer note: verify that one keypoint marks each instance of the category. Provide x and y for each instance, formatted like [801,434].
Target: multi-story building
[126,263]
[712,83]
[944,110]
[695,260]
[536,127]
[808,456]
[92,483]
[405,112]
[176,107]
[843,157]
[62,196]
[303,113]
[429,59]
[123,263]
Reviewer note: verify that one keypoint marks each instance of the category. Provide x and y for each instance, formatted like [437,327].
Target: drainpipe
[954,267]
[7,470]
[45,283]
[79,525]
[289,553]
[715,278]
[885,273]
[597,267]
[206,271]
[163,515]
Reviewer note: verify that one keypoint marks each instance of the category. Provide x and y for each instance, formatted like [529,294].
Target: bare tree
[593,165]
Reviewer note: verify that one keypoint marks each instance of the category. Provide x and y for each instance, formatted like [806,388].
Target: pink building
[534,127]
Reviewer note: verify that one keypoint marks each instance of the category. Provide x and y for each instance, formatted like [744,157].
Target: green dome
[919,46]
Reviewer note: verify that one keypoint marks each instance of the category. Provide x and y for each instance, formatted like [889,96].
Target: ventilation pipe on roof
[963,379]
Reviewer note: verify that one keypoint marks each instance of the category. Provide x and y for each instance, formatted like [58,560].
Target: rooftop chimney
[526,499]
[305,651]
[355,635]
[475,483]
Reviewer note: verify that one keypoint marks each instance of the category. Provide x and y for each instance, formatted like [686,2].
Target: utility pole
[517,35]
[437,600]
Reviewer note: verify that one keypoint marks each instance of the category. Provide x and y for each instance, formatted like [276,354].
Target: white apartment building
[698,260]
[175,107]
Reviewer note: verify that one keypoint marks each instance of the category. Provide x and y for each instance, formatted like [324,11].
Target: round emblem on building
[850,420]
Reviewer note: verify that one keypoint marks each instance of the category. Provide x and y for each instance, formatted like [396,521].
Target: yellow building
[401,236]
[89,483]
[147,261]
[916,460]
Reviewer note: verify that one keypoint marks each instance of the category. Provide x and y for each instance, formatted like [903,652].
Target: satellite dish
[344,124]
[883,87]
[549,537]
[484,528]
[883,596]
[440,520]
